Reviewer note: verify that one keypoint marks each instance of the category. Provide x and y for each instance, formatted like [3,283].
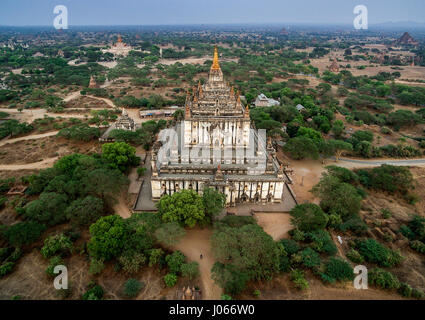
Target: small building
[159,113]
[334,67]
[124,122]
[263,101]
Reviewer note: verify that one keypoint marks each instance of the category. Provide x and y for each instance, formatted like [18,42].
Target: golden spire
[232,91]
[195,99]
[119,38]
[215,65]
[239,98]
[247,111]
[187,111]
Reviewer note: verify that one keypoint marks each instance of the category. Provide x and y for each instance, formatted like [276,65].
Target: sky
[170,12]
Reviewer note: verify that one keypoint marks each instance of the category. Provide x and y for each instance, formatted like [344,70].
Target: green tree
[337,197]
[338,147]
[170,280]
[120,155]
[23,233]
[56,244]
[338,128]
[49,209]
[108,237]
[175,261]
[185,207]
[308,217]
[214,202]
[301,147]
[190,270]
[85,211]
[132,287]
[170,233]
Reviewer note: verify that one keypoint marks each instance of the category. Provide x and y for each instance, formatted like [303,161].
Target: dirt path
[30,137]
[195,242]
[121,208]
[36,165]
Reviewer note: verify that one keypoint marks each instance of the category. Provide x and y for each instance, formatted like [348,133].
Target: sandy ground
[276,225]
[195,242]
[47,163]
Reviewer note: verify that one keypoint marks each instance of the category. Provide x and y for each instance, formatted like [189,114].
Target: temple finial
[215,65]
[187,111]
[247,111]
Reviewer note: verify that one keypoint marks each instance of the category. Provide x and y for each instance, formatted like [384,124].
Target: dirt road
[36,165]
[195,242]
[30,137]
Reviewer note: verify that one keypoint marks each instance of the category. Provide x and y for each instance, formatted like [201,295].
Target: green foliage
[237,221]
[321,241]
[310,258]
[23,233]
[80,132]
[120,155]
[386,214]
[375,252]
[337,197]
[169,233]
[190,270]
[392,179]
[185,207]
[301,147]
[108,237]
[290,246]
[85,211]
[339,269]
[225,297]
[175,261]
[58,244]
[94,292]
[418,294]
[96,266]
[229,277]
[214,202]
[297,277]
[155,256]
[6,268]
[383,279]
[355,256]
[252,251]
[405,290]
[48,209]
[53,262]
[308,217]
[131,261]
[418,246]
[170,280]
[132,287]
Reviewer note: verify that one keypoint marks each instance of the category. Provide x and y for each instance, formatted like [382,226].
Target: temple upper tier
[215,98]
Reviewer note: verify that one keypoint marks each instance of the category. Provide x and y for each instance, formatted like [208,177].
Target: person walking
[201,256]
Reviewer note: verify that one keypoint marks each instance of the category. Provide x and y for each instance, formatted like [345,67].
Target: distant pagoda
[407,39]
[334,67]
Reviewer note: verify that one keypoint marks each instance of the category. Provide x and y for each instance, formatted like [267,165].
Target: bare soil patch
[276,225]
